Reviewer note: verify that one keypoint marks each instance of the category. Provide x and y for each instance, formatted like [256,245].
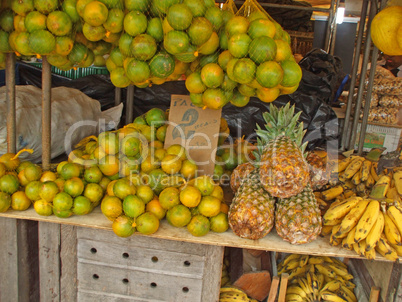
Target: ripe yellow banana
[334,241]
[326,229]
[298,271]
[339,263]
[367,220]
[356,248]
[303,283]
[348,185]
[315,260]
[371,254]
[303,260]
[332,193]
[341,272]
[386,250]
[352,218]
[375,232]
[327,271]
[342,165]
[320,280]
[357,178]
[365,170]
[398,181]
[289,266]
[341,209]
[373,171]
[331,297]
[297,290]
[398,249]
[353,167]
[287,259]
[293,298]
[348,294]
[391,232]
[349,239]
[332,286]
[395,213]
[348,193]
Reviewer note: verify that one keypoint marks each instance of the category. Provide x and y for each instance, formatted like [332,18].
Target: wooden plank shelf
[271,242]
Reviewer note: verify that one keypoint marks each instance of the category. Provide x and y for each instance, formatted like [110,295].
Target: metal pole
[10,97]
[117,96]
[335,28]
[329,33]
[46,113]
[367,46]
[355,66]
[130,104]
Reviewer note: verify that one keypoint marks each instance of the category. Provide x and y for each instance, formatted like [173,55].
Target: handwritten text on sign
[196,129]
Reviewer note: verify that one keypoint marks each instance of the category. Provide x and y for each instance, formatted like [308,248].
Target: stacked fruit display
[316,278]
[230,293]
[277,189]
[227,58]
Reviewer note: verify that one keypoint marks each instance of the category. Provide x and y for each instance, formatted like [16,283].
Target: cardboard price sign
[196,129]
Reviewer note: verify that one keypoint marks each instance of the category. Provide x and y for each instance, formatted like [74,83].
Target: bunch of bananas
[365,225]
[225,278]
[317,278]
[228,294]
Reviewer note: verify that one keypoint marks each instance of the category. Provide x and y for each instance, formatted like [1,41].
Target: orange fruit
[33,172]
[218,193]
[198,226]
[64,45]
[246,90]
[111,207]
[19,201]
[130,145]
[5,202]
[119,78]
[125,46]
[109,165]
[219,223]
[178,216]
[48,190]
[93,33]
[237,25]
[188,169]
[288,90]
[145,193]
[62,202]
[62,213]
[209,206]
[123,226]
[239,100]
[138,71]
[78,54]
[162,65]
[179,16]
[74,186]
[262,49]
[224,208]
[214,98]
[69,170]
[34,21]
[169,198]
[135,23]
[95,13]
[93,174]
[46,6]
[133,206]
[42,42]
[94,192]
[9,184]
[161,133]
[155,207]
[224,58]
[199,31]
[190,196]
[147,223]
[104,182]
[69,7]
[43,207]
[81,205]
[171,164]
[32,190]
[238,45]
[268,95]
[196,99]
[22,179]
[21,8]
[194,83]
[283,51]
[205,184]
[257,14]
[59,23]
[143,47]
[210,46]
[212,75]
[244,71]
[177,150]
[140,5]
[114,21]
[292,73]
[214,15]
[176,42]
[122,188]
[197,7]
[269,74]
[261,27]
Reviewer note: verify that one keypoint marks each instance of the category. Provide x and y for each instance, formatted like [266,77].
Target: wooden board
[271,242]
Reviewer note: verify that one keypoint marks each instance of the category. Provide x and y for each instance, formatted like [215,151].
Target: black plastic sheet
[322,74]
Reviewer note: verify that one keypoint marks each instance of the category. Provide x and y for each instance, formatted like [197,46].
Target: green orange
[135,23]
[123,226]
[262,49]
[133,206]
[238,45]
[138,71]
[147,223]
[194,83]
[111,207]
[214,98]
[200,31]
[95,13]
[292,73]
[269,74]
[34,21]
[5,202]
[114,21]
[261,27]
[62,201]
[212,75]
[176,42]
[239,100]
[178,216]
[199,225]
[94,192]
[214,15]
[179,16]
[119,78]
[81,205]
[59,23]
[244,71]
[9,184]
[236,25]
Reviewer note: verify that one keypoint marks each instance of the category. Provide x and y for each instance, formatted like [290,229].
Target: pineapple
[298,218]
[284,171]
[238,174]
[251,214]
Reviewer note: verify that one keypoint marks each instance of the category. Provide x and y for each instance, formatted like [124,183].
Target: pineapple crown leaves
[281,122]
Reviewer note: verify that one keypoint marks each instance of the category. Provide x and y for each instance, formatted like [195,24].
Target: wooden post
[374,294]
[130,104]
[283,287]
[274,289]
[46,113]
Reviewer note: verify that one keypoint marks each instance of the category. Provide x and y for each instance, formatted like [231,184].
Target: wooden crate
[96,265]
